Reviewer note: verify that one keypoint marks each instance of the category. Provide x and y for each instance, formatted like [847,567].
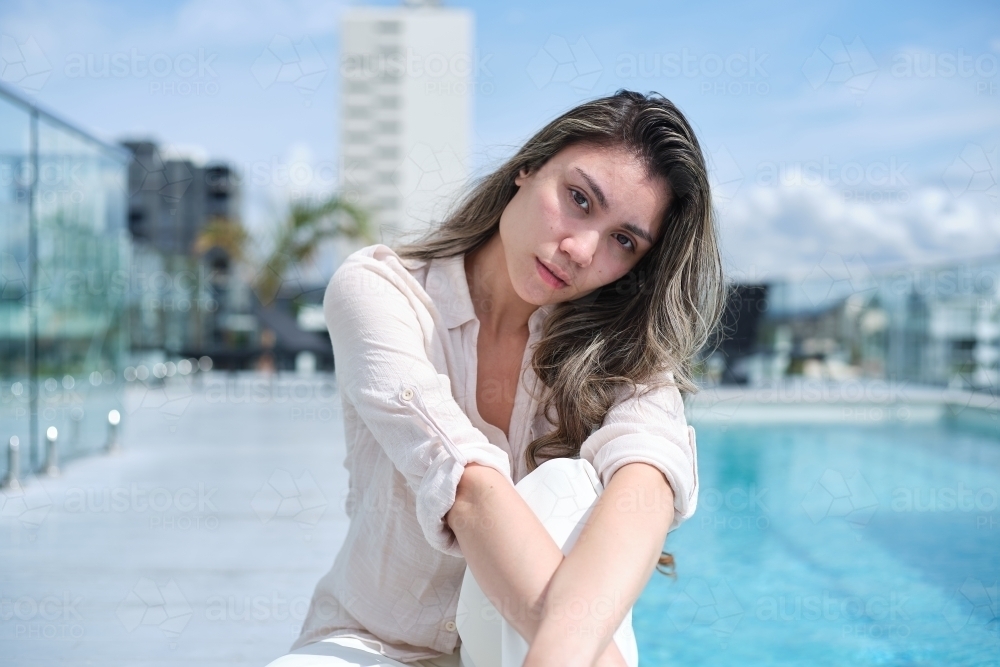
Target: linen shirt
[404,335]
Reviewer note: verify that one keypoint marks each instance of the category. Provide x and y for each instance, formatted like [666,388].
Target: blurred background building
[171,200]
[199,295]
[169,205]
[406,111]
[937,326]
[189,302]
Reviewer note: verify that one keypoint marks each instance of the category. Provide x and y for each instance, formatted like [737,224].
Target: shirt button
[407,394]
[450,626]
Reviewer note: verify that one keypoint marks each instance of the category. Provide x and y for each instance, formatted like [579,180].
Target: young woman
[511,393]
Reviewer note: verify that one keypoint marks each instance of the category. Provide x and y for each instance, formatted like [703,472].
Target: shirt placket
[468,344]
[525,434]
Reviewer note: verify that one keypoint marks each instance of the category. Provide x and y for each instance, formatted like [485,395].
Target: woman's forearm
[509,551]
[505,545]
[602,577]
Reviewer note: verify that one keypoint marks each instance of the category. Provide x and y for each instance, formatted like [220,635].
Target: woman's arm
[509,551]
[605,572]
[618,548]
[404,400]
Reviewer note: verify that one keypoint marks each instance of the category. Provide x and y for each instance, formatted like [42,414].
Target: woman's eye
[630,246]
[585,205]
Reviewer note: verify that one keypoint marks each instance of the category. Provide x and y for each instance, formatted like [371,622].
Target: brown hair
[654,319]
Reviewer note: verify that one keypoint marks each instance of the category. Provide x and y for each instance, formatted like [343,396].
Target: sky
[837,134]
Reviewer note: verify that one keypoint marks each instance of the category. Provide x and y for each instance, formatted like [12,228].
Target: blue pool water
[833,545]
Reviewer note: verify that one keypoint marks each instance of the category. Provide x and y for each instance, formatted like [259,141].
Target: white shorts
[562,493]
[347,651]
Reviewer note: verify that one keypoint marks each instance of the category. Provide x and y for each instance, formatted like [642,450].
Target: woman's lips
[548,276]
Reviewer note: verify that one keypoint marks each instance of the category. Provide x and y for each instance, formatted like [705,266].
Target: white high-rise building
[406,108]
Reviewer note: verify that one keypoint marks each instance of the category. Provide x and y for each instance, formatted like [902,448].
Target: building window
[357,163]
[358,137]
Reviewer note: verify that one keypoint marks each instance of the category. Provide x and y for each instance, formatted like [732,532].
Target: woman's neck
[501,312]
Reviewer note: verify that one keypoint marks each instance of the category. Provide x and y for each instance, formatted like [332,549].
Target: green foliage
[306,225]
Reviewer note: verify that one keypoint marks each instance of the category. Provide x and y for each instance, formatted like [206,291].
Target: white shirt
[404,338]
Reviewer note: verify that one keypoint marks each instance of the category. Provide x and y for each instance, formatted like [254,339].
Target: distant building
[926,326]
[171,200]
[193,302]
[745,307]
[186,304]
[406,109]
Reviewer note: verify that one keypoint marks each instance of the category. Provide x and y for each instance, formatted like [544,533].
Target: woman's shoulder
[374,269]
[381,259]
[379,252]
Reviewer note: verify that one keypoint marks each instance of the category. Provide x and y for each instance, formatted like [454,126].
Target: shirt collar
[448,287]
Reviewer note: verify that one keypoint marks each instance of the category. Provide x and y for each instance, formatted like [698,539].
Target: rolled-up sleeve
[652,429]
[379,331]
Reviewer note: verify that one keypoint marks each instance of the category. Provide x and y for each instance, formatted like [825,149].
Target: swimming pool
[833,545]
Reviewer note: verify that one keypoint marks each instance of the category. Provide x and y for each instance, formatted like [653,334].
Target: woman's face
[589,214]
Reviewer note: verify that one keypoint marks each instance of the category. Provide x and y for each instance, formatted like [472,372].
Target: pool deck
[199,544]
[864,401]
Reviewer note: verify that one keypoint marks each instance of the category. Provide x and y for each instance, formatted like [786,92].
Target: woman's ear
[522,174]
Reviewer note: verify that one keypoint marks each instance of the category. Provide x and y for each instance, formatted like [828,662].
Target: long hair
[648,325]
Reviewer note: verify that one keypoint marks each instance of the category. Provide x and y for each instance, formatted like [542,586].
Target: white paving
[199,544]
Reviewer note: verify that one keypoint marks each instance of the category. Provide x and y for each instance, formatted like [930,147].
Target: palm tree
[296,239]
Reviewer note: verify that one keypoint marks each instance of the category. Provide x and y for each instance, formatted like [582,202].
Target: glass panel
[15,179]
[82,276]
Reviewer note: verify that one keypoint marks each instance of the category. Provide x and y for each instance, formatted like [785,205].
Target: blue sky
[863,133]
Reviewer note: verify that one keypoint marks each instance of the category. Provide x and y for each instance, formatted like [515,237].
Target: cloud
[785,231]
[226,26]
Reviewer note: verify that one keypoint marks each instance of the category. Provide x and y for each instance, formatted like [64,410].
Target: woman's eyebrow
[638,231]
[602,200]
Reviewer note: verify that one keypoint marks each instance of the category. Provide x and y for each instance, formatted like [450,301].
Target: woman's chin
[537,296]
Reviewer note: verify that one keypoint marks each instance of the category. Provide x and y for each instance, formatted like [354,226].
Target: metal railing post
[51,452]
[114,445]
[11,481]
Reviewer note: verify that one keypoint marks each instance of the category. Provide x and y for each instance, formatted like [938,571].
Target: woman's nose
[581,246]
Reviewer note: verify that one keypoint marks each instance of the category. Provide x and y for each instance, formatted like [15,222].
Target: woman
[539,337]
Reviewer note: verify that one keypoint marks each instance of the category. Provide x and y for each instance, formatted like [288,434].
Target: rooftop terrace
[200,543]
